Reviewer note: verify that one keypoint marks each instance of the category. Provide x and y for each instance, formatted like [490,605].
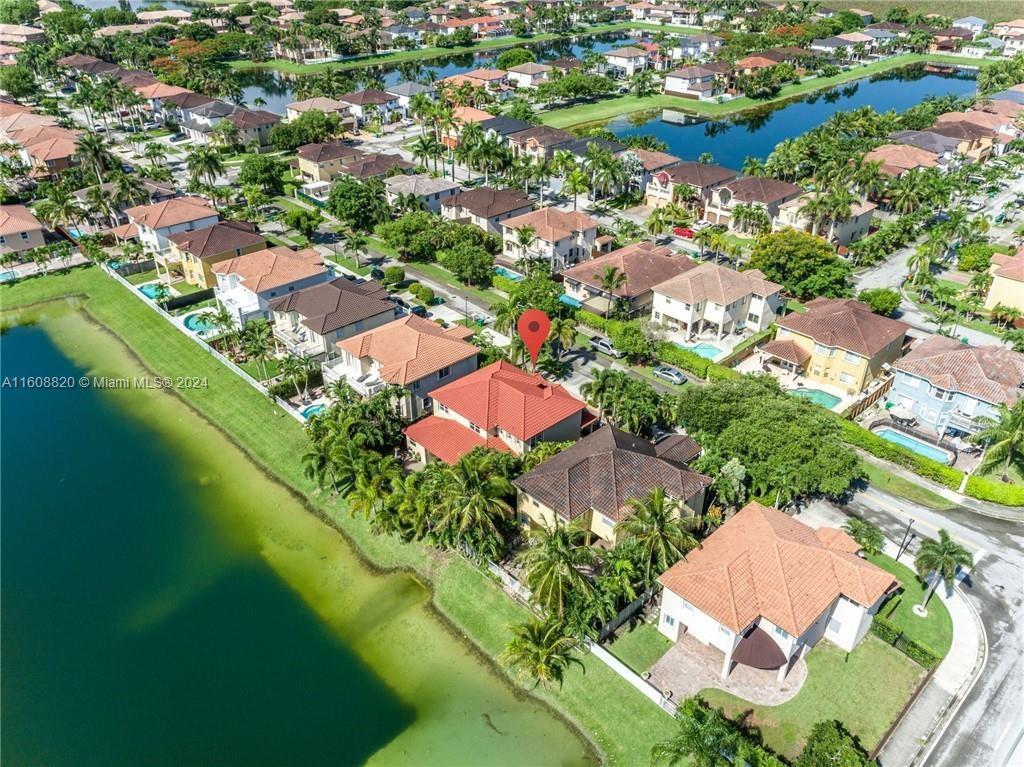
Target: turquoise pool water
[501,271]
[150,291]
[707,351]
[313,410]
[8,276]
[199,322]
[918,446]
[817,396]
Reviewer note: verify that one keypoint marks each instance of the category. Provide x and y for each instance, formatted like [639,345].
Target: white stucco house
[158,221]
[764,589]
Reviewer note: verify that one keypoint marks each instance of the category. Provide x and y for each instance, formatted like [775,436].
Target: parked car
[683,231]
[669,374]
[397,301]
[975,205]
[176,138]
[604,346]
[419,311]
[376,274]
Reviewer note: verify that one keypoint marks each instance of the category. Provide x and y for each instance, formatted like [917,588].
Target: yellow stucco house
[1007,281]
[199,249]
[591,482]
[839,342]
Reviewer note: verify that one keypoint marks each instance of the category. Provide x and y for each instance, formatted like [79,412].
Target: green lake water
[165,603]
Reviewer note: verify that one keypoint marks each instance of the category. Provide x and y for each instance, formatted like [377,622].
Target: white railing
[647,689]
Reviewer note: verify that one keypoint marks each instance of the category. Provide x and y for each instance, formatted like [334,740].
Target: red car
[682,231]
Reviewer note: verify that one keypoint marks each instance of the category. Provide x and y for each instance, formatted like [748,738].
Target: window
[942,395]
[779,631]
[782,333]
[415,385]
[657,315]
[834,626]
[851,357]
[444,408]
[846,378]
[238,251]
[444,372]
[753,319]
[3,240]
[607,521]
[669,620]
[724,630]
[24,235]
[824,351]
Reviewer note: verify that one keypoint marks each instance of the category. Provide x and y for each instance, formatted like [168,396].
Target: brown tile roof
[719,284]
[762,189]
[181,98]
[896,158]
[374,165]
[762,563]
[222,237]
[253,118]
[365,98]
[542,135]
[337,304]
[696,174]
[506,397]
[272,268]
[990,373]
[410,348]
[177,210]
[320,103]
[845,324]
[333,150]
[552,224]
[1009,267]
[654,160]
[487,202]
[786,349]
[603,471]
[8,108]
[15,219]
[964,130]
[644,264]
[531,68]
[678,448]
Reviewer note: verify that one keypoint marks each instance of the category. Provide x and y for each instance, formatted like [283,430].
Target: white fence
[649,691]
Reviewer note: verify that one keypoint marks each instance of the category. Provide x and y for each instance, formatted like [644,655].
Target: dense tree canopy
[263,171]
[360,205]
[804,264]
[311,127]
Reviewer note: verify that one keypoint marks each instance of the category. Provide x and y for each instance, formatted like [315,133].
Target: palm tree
[526,235]
[611,279]
[204,164]
[541,651]
[563,333]
[601,390]
[867,536]
[919,264]
[704,739]
[656,526]
[553,563]
[657,224]
[1003,437]
[942,558]
[372,489]
[60,208]
[473,503]
[91,151]
[257,342]
[576,183]
[295,369]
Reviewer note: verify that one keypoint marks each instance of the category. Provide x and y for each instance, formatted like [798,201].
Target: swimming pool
[8,276]
[817,396]
[916,445]
[152,290]
[313,410]
[707,351]
[508,274]
[199,322]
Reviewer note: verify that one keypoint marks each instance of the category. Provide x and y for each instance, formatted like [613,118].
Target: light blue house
[948,385]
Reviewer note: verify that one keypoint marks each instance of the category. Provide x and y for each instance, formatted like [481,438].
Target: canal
[165,603]
[755,134]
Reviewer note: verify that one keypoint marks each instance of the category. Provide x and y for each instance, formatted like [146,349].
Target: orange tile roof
[8,108]
[506,397]
[273,267]
[15,219]
[1009,267]
[410,348]
[845,324]
[470,115]
[644,264]
[991,373]
[160,91]
[899,157]
[552,224]
[449,440]
[762,563]
[710,282]
[177,210]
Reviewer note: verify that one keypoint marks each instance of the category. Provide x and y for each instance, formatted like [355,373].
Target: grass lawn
[639,648]
[615,107]
[350,264]
[618,718]
[286,204]
[439,273]
[936,630]
[140,277]
[379,246]
[905,488]
[992,10]
[255,368]
[185,288]
[865,691]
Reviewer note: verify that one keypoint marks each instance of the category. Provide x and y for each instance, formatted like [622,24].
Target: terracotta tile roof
[678,448]
[762,563]
[845,324]
[981,119]
[719,284]
[273,267]
[163,91]
[654,160]
[644,264]
[487,75]
[8,108]
[410,348]
[603,471]
[333,150]
[329,306]
[367,97]
[542,135]
[990,373]
[470,115]
[629,52]
[506,397]
[177,210]
[552,224]
[696,174]
[531,68]
[445,439]
[222,237]
[761,189]
[788,350]
[1002,107]
[1009,267]
[21,119]
[487,203]
[15,219]
[896,158]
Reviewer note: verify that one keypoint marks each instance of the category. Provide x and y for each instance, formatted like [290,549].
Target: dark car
[376,274]
[397,301]
[419,311]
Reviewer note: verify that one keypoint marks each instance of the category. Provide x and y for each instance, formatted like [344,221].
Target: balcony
[964,423]
[299,341]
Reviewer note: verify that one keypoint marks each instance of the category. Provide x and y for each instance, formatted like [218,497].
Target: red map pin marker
[533,327]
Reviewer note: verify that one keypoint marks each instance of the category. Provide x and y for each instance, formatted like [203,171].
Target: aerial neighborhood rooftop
[671,356]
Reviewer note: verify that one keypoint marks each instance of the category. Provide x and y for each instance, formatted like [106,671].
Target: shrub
[881,448]
[721,373]
[885,630]
[414,288]
[920,653]
[426,295]
[504,284]
[393,275]
[975,257]
[692,362]
[590,320]
[996,492]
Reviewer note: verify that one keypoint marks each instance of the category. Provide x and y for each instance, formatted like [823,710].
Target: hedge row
[886,630]
[893,635]
[889,451]
[997,492]
[504,284]
[689,361]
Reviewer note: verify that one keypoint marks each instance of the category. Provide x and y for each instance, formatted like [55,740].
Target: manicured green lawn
[255,368]
[185,288]
[905,488]
[140,277]
[614,107]
[640,647]
[865,691]
[619,719]
[439,273]
[350,264]
[935,630]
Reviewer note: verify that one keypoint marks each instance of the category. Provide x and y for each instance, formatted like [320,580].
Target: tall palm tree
[656,224]
[540,650]
[553,564]
[941,559]
[704,738]
[526,235]
[473,502]
[91,150]
[295,370]
[563,333]
[1003,437]
[601,390]
[60,208]
[576,183]
[258,342]
[204,164]
[611,279]
[372,489]
[656,526]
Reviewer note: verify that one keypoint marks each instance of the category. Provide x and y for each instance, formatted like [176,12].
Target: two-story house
[626,62]
[559,237]
[641,265]
[309,322]
[840,231]
[158,221]
[694,83]
[407,91]
[20,231]
[539,142]
[807,585]
[486,208]
[842,343]
[592,482]
[328,106]
[528,75]
[949,386]
[372,104]
[753,191]
[248,283]
[715,299]
[322,163]
[430,192]
[1007,288]
[501,407]
[698,178]
[413,353]
[198,250]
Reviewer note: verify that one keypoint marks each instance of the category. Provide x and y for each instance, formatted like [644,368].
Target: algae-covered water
[166,603]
